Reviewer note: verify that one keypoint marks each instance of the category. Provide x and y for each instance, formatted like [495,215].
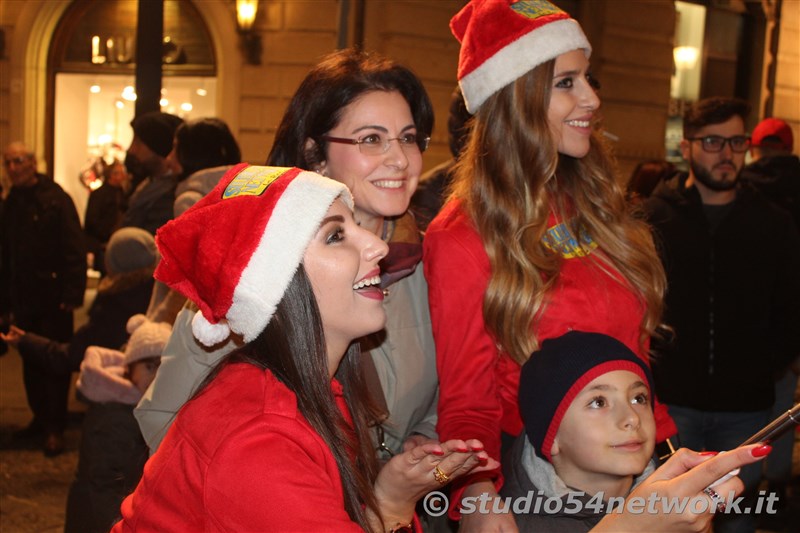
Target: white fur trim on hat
[521,56]
[208,333]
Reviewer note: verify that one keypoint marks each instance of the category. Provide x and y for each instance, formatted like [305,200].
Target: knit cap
[501,40]
[556,373]
[130,249]
[235,251]
[773,133]
[147,338]
[156,130]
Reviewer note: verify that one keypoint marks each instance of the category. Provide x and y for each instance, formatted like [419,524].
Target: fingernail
[438,452]
[462,450]
[762,450]
[477,448]
[709,453]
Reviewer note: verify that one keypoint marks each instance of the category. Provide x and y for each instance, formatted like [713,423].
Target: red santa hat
[235,251]
[502,40]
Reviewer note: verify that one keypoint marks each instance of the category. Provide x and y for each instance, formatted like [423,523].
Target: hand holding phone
[777,427]
[769,434]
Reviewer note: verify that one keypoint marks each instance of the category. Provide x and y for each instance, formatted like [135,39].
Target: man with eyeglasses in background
[42,280]
[732,262]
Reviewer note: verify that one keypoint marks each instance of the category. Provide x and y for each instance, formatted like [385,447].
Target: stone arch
[30,47]
[29,50]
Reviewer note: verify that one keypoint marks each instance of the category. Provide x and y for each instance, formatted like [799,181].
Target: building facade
[750,49]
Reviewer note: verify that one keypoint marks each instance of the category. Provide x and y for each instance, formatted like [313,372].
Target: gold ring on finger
[440,476]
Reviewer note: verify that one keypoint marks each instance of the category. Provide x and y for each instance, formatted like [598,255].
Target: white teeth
[389,184]
[579,123]
[366,282]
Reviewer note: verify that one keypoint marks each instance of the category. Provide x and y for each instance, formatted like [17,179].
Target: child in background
[113,452]
[130,259]
[586,403]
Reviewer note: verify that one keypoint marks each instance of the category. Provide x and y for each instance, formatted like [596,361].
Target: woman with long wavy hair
[536,239]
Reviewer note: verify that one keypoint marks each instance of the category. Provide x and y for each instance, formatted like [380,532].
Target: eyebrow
[381,128]
[332,218]
[602,387]
[574,72]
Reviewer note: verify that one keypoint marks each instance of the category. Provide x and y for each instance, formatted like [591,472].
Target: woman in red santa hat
[276,439]
[536,239]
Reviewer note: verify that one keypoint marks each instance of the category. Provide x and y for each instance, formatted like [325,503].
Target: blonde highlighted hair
[510,178]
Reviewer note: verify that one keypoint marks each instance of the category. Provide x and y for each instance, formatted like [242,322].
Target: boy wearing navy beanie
[586,403]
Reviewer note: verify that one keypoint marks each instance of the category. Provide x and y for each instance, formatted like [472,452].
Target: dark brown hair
[337,81]
[292,347]
[712,111]
[205,143]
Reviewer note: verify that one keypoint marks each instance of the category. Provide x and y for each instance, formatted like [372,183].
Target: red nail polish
[438,452]
[762,450]
[709,453]
[462,450]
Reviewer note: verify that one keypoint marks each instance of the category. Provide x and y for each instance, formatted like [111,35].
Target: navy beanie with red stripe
[556,373]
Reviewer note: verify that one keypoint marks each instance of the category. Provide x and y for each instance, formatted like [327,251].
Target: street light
[246,11]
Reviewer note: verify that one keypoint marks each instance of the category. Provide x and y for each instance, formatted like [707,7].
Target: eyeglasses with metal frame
[377,144]
[716,143]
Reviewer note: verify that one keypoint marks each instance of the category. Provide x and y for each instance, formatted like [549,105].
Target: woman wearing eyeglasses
[362,120]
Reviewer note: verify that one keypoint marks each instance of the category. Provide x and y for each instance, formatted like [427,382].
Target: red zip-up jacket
[240,457]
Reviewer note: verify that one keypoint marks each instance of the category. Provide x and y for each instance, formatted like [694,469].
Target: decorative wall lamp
[250,39]
[686,79]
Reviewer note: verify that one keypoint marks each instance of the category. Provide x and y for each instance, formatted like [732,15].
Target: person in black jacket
[104,212]
[733,291]
[113,451]
[42,280]
[775,172]
[125,291]
[150,204]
